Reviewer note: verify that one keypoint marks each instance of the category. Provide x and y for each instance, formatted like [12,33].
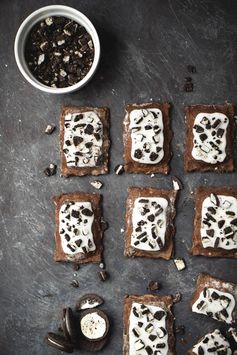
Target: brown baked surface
[197,248]
[206,280]
[191,164]
[136,192]
[164,302]
[80,258]
[103,114]
[132,166]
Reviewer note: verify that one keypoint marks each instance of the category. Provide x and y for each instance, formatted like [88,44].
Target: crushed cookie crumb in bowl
[57,49]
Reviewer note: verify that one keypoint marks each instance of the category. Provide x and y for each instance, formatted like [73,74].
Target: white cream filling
[151,332]
[221,233]
[149,223]
[75,227]
[214,340]
[220,306]
[209,142]
[147,135]
[93,326]
[83,139]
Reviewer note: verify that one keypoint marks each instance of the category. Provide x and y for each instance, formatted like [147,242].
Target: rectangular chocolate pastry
[149,222]
[84,141]
[78,231]
[215,298]
[148,325]
[209,138]
[211,343]
[147,138]
[215,223]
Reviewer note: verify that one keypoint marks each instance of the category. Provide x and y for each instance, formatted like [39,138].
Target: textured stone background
[146,46]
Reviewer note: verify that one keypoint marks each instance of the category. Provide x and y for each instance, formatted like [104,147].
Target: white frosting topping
[147,135]
[212,341]
[93,326]
[209,142]
[149,223]
[147,329]
[75,227]
[219,222]
[216,304]
[83,139]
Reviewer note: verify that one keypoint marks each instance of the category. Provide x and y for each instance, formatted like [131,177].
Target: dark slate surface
[145,48]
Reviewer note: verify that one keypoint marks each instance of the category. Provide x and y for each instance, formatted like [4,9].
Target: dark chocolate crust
[191,164]
[80,258]
[103,114]
[197,248]
[206,280]
[132,166]
[136,192]
[164,302]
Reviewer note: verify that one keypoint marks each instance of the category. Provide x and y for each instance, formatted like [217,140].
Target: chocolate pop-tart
[215,223]
[148,325]
[149,222]
[215,298]
[84,141]
[209,138]
[212,343]
[147,137]
[78,231]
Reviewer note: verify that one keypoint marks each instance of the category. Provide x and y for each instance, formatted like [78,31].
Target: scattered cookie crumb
[180,264]
[50,129]
[180,329]
[51,170]
[75,283]
[119,169]
[96,184]
[177,184]
[103,275]
[177,297]
[102,265]
[154,286]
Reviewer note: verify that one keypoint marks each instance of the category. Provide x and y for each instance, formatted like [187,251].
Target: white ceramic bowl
[30,21]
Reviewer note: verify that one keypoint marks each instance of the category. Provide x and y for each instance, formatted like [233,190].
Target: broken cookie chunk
[149,222]
[96,184]
[147,136]
[78,231]
[84,138]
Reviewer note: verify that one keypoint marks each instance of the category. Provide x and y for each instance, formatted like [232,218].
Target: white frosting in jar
[209,137]
[75,227]
[147,329]
[83,139]
[147,135]
[219,222]
[212,341]
[149,223]
[93,326]
[216,304]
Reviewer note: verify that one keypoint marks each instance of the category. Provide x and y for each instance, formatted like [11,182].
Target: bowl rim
[86,23]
